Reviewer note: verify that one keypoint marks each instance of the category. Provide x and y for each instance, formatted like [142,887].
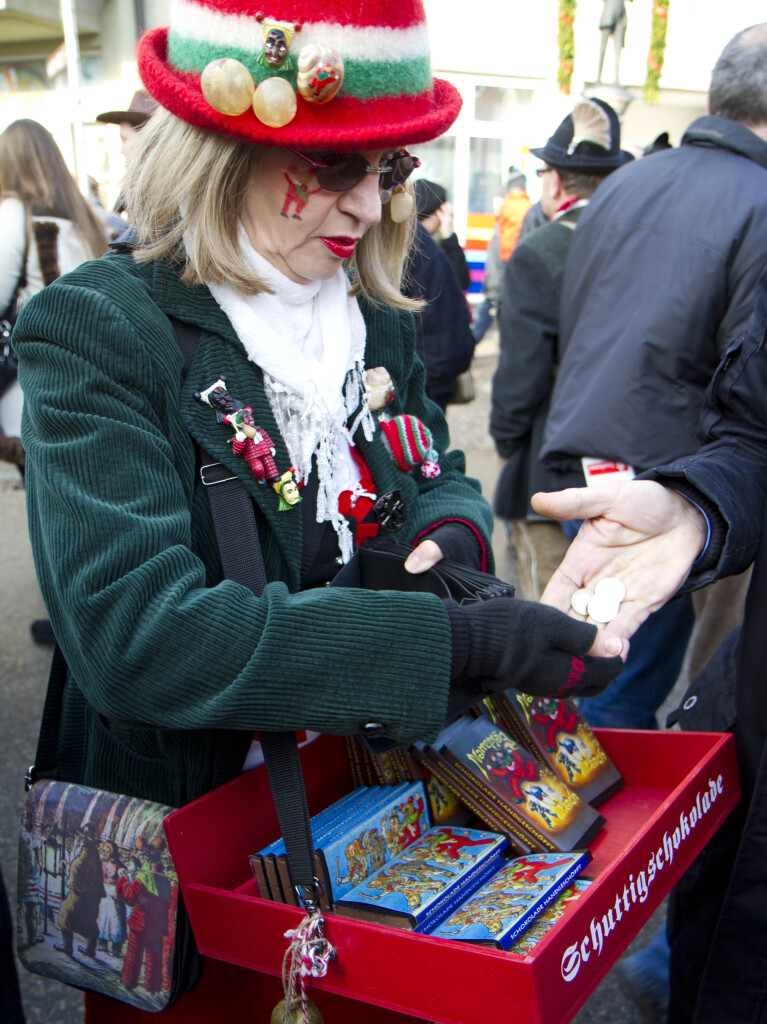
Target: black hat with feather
[588,141]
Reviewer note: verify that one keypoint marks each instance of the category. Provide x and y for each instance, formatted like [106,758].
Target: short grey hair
[738,88]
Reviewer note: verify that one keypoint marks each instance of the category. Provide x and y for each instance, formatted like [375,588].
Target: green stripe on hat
[363,79]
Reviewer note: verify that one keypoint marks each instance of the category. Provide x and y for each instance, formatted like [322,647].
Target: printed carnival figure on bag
[98,893]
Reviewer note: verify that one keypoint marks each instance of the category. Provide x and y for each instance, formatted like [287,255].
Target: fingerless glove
[531,647]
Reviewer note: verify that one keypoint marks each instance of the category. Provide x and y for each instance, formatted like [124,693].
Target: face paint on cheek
[297,192]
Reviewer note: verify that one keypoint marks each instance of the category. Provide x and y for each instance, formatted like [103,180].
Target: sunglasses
[338,172]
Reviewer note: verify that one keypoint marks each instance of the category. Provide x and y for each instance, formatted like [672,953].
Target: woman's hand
[446,216]
[645,534]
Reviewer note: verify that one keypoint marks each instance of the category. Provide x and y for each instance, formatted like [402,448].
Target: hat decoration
[313,75]
[590,124]
[410,444]
[587,141]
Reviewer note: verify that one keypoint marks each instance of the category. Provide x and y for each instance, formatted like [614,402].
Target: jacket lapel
[220,354]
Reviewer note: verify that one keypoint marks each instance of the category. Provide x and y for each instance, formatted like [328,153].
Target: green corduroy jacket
[171,668]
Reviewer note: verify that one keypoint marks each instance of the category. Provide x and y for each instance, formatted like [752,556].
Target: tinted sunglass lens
[402,166]
[342,171]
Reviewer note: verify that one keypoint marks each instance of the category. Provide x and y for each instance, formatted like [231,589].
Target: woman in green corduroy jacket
[284,247]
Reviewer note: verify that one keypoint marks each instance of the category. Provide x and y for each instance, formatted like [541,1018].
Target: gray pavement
[23,675]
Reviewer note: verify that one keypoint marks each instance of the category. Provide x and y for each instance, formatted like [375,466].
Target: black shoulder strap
[242,561]
[44,766]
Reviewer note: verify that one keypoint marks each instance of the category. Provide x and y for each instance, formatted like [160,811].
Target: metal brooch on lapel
[250,441]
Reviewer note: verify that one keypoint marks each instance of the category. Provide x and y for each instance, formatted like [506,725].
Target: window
[437,162]
[487,173]
[492,103]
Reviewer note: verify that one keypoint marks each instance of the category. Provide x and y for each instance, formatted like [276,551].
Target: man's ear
[556,184]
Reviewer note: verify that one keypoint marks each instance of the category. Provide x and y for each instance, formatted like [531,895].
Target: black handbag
[9,363]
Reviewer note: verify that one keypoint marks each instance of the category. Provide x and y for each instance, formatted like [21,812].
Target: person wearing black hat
[583,150]
[85,884]
[435,212]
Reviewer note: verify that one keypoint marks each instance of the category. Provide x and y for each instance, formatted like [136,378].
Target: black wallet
[380,565]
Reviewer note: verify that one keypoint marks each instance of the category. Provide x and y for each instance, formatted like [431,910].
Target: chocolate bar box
[506,905]
[559,736]
[420,887]
[509,775]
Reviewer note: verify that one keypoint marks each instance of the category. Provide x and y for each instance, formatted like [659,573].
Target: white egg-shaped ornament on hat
[274,102]
[227,86]
[320,73]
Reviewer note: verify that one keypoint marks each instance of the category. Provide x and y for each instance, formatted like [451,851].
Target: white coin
[579,602]
[611,589]
[602,609]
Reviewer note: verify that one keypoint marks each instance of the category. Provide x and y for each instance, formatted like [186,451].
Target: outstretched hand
[643,533]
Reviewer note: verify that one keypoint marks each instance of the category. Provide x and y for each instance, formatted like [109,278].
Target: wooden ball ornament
[274,102]
[227,86]
[295,1015]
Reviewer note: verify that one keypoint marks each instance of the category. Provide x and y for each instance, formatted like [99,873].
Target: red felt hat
[378,51]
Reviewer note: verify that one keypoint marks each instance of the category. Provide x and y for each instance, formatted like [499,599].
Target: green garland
[657,50]
[566,41]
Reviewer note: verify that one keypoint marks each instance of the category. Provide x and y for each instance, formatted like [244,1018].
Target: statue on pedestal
[612,23]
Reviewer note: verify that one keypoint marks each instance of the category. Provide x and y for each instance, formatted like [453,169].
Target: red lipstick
[341,246]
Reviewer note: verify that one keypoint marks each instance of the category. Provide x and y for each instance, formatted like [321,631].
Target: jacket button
[373,728]
[690,703]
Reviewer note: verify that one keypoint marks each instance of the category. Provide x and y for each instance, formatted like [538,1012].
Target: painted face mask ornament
[278,35]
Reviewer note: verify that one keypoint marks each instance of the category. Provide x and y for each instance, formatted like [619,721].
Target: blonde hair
[180,177]
[33,170]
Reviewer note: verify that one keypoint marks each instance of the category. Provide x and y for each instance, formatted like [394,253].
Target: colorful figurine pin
[250,441]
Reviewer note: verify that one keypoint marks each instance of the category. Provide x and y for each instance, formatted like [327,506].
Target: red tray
[679,789]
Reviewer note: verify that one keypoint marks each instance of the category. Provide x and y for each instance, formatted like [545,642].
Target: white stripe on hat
[193,21]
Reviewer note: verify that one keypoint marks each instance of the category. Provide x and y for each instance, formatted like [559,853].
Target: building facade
[502,57]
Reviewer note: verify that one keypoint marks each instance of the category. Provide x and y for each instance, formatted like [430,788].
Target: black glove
[457,543]
[531,647]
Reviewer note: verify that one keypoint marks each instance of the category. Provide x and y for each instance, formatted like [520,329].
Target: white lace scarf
[309,341]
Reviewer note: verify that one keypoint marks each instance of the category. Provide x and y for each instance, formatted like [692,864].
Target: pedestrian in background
[512,209]
[435,212]
[660,277]
[582,152]
[47,228]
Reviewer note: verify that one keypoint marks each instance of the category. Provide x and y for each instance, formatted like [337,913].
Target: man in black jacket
[660,276]
[707,521]
[583,150]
